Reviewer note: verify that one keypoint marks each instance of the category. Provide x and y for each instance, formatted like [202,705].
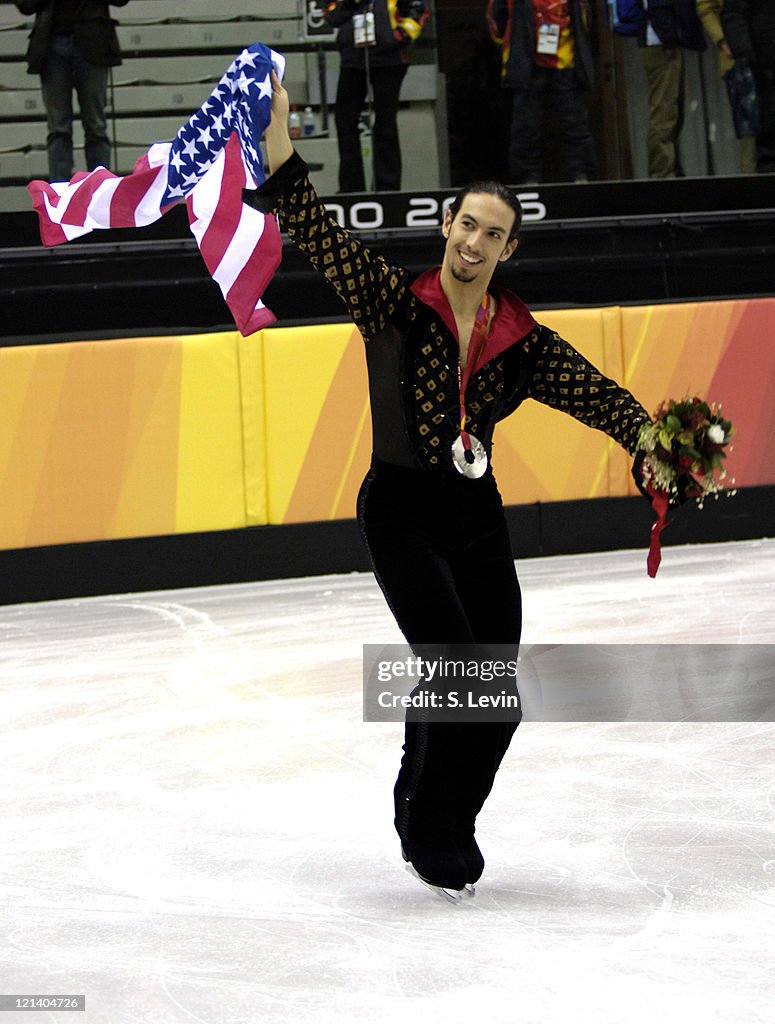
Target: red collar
[512,320]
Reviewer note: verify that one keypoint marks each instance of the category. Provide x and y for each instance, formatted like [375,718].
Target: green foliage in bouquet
[685,448]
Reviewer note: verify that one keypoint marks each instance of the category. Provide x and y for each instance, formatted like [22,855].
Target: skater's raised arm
[370,288]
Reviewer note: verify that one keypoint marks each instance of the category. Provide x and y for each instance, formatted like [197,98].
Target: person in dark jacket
[373,39]
[749,27]
[72,45]
[546,49]
[669,28]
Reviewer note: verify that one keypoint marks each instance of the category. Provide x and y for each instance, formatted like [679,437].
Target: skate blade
[450,895]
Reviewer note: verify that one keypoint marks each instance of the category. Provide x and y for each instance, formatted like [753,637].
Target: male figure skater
[449,354]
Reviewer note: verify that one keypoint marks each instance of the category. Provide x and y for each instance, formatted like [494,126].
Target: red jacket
[512,26]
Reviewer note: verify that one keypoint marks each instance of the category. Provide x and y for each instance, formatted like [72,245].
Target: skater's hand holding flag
[680,458]
[211,159]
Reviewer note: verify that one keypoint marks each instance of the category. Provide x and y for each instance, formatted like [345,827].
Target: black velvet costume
[438,540]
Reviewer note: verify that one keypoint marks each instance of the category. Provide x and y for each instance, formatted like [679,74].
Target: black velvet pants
[440,549]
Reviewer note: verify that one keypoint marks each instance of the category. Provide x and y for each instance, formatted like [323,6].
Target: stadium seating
[174,53]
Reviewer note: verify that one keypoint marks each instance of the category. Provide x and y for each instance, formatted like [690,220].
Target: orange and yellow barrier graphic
[152,436]
[133,437]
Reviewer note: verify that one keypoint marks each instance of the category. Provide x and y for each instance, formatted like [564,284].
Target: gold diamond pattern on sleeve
[564,380]
[366,283]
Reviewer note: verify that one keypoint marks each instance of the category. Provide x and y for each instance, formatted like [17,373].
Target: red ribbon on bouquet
[659,502]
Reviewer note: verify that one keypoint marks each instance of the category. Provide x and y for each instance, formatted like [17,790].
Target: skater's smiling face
[479,236]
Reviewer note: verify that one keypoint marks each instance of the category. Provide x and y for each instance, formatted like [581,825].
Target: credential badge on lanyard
[548,40]
[364,32]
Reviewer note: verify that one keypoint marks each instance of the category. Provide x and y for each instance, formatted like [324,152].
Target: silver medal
[470,462]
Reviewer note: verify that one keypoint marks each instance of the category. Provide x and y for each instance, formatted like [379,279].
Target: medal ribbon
[475,347]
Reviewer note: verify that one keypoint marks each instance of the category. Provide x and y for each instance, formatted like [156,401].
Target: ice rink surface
[197,824]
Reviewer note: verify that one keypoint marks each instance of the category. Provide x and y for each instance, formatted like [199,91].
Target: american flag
[211,159]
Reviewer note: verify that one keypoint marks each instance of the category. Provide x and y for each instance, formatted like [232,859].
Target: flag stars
[196,155]
[230,106]
[246,58]
[265,88]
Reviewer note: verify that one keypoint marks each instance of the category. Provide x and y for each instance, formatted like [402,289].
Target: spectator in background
[749,27]
[373,39]
[669,27]
[546,50]
[72,45]
[709,12]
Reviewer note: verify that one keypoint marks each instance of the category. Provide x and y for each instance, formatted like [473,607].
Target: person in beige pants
[669,27]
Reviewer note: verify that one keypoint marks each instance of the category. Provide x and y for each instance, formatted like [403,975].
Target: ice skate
[468,849]
[445,892]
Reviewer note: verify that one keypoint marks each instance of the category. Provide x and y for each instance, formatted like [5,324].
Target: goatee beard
[459,274]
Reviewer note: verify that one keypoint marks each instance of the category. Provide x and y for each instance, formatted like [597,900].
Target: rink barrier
[161,436]
[243,555]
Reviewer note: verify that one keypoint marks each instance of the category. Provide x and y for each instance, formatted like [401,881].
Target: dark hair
[491,188]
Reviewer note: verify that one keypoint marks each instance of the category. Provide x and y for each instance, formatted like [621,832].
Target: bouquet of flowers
[681,457]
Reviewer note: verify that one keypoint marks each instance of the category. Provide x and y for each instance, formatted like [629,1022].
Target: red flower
[695,420]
